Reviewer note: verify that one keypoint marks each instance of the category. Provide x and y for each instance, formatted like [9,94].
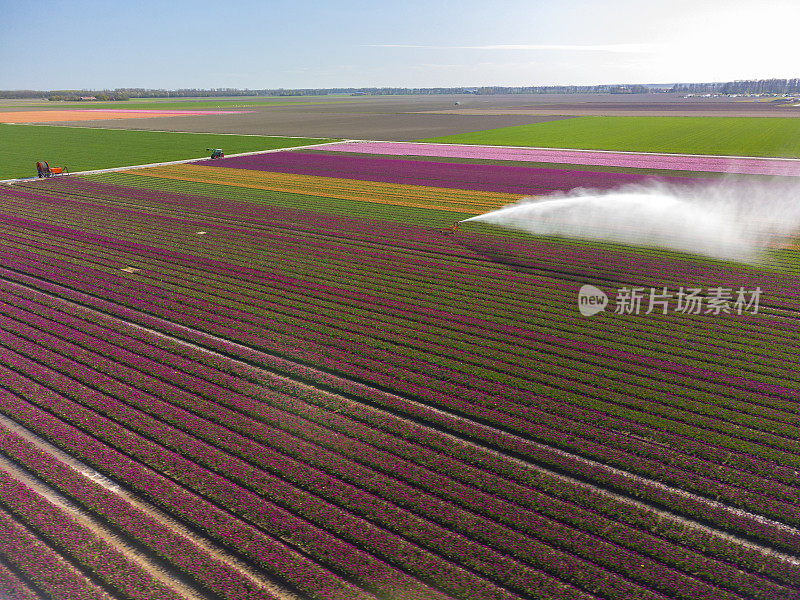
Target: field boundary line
[165,163]
[216,340]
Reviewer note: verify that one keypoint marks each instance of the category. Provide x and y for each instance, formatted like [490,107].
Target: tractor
[215,153]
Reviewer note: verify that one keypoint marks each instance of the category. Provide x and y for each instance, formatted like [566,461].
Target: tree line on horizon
[756,86]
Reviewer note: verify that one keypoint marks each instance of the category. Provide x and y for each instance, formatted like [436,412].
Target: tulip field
[279,376]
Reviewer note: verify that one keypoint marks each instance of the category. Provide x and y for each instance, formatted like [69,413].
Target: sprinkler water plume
[727,219]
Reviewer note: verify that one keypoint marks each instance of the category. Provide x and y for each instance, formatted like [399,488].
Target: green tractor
[215,152]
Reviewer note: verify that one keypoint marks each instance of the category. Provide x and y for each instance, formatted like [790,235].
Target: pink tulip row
[712,164]
[197,564]
[12,587]
[42,566]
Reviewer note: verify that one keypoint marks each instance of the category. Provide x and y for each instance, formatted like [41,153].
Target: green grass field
[737,136]
[81,148]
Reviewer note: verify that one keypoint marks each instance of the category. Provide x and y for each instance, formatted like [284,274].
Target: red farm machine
[45,170]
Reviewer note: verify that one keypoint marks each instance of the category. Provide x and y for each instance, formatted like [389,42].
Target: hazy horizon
[88,44]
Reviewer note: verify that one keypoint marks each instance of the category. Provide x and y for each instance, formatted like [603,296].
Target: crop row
[263,513]
[727,517]
[134,523]
[306,428]
[43,566]
[13,587]
[330,462]
[590,416]
[468,201]
[727,416]
[91,552]
[472,430]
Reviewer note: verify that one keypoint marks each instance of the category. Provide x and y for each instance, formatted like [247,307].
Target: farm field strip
[24,494]
[83,149]
[266,517]
[164,272]
[50,116]
[726,136]
[776,416]
[182,548]
[487,178]
[639,160]
[280,384]
[42,566]
[84,351]
[466,201]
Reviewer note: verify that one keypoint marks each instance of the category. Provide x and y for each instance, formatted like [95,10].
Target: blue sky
[54,44]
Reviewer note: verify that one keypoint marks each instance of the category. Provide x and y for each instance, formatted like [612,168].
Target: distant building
[87,98]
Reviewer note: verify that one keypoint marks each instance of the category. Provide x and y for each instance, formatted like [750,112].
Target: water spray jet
[727,219]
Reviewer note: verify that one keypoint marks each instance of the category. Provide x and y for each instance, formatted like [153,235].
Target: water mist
[728,219]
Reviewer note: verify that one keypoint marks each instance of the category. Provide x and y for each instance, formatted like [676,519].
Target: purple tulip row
[209,572]
[119,458]
[77,541]
[403,385]
[14,588]
[470,429]
[474,380]
[345,557]
[42,566]
[343,524]
[304,429]
[491,178]
[714,164]
[209,289]
[241,446]
[662,270]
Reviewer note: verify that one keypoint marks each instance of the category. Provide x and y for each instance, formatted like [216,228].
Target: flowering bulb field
[684,162]
[277,377]
[491,178]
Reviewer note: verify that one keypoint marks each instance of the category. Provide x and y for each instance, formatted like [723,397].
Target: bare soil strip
[220,554]
[169,578]
[665,514]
